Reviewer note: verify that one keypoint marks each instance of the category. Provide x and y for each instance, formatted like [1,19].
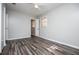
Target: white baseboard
[61,42]
[18,38]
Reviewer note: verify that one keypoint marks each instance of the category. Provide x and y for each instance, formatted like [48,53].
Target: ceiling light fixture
[36,6]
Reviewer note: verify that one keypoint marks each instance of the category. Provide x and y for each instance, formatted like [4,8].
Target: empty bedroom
[39,29]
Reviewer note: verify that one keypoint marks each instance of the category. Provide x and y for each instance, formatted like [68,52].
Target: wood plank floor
[37,46]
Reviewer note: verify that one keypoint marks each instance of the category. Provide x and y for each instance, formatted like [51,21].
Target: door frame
[31,26]
[36,28]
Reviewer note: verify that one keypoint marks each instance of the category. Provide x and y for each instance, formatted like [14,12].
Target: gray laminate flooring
[37,46]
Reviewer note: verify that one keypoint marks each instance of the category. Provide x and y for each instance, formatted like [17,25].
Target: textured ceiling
[28,8]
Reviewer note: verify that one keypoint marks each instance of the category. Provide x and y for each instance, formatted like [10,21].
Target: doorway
[35,26]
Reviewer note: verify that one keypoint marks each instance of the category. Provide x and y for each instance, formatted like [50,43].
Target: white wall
[19,25]
[63,25]
[37,27]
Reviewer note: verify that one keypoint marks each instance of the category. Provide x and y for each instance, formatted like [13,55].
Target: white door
[37,27]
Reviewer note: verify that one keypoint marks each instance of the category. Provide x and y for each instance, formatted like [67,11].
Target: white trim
[4,25]
[18,38]
[60,42]
[0,25]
